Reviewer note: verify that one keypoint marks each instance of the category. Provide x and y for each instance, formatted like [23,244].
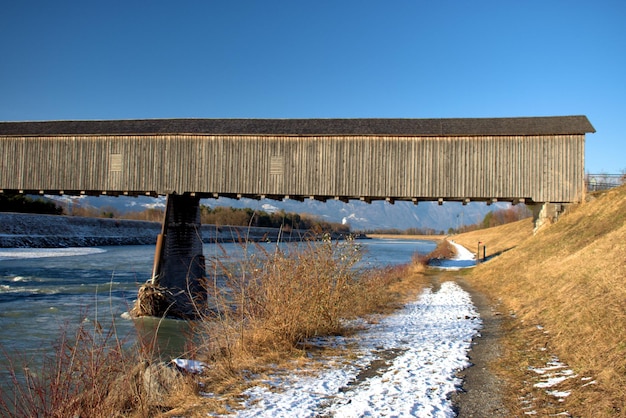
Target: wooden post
[157,258]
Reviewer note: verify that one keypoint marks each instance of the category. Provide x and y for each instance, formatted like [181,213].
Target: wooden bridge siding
[546,168]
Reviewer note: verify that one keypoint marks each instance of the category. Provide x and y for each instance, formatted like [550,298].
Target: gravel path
[481,395]
[405,364]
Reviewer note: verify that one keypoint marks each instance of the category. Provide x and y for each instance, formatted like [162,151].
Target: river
[44,290]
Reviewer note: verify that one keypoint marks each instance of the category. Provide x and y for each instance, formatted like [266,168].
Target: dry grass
[443,250]
[268,307]
[569,279]
[273,303]
[498,239]
[92,373]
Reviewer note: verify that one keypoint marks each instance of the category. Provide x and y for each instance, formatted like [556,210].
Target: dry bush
[92,373]
[270,304]
[443,250]
[284,296]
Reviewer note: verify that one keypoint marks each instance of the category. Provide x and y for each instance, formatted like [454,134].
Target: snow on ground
[463,259]
[20,253]
[406,366]
[549,378]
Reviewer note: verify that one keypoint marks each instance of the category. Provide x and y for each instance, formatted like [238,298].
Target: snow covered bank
[406,365]
[20,230]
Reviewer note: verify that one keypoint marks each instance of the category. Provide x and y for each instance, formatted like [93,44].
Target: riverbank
[68,285]
[19,230]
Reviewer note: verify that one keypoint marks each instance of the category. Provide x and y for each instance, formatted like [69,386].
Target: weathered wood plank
[537,167]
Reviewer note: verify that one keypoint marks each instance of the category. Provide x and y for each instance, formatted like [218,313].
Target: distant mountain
[379,214]
[359,215]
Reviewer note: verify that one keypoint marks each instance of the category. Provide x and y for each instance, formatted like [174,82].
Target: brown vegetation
[266,309]
[92,373]
[499,239]
[148,214]
[564,295]
[496,218]
[280,219]
[220,216]
[443,251]
[283,300]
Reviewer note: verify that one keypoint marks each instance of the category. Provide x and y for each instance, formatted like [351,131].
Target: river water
[44,290]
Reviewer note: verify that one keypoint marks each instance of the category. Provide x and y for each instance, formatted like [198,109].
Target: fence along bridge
[534,160]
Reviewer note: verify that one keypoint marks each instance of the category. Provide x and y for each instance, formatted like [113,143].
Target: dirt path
[481,396]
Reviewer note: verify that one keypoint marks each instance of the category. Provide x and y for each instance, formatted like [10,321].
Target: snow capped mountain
[359,215]
[267,208]
[377,215]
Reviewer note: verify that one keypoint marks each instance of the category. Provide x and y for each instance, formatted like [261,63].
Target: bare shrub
[91,372]
[269,305]
[443,250]
[287,295]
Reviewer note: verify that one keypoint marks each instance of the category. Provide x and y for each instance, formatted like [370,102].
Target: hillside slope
[565,289]
[498,239]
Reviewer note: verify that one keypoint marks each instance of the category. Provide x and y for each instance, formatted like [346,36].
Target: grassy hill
[562,293]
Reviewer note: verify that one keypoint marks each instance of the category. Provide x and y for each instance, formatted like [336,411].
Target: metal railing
[595,182]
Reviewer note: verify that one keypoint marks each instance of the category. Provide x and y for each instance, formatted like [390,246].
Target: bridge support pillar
[176,288]
[546,213]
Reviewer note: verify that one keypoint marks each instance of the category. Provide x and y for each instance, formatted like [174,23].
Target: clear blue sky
[312,59]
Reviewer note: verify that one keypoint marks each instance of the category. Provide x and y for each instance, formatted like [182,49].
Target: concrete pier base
[176,288]
[546,213]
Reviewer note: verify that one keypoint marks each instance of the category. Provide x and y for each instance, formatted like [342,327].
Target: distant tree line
[491,219]
[26,204]
[497,217]
[221,216]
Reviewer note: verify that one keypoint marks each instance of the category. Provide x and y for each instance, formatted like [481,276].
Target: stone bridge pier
[546,213]
[176,288]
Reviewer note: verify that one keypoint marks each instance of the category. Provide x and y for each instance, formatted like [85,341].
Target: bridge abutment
[546,213]
[176,288]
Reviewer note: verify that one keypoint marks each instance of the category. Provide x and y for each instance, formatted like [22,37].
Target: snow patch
[24,253]
[407,366]
[553,374]
[463,259]
[190,366]
[269,208]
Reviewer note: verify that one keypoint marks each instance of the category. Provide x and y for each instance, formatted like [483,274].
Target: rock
[159,381]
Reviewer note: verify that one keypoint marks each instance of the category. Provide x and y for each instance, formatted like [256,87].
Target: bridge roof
[545,125]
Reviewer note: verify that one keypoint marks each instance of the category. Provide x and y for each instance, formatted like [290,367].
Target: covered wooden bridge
[538,159]
[528,159]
